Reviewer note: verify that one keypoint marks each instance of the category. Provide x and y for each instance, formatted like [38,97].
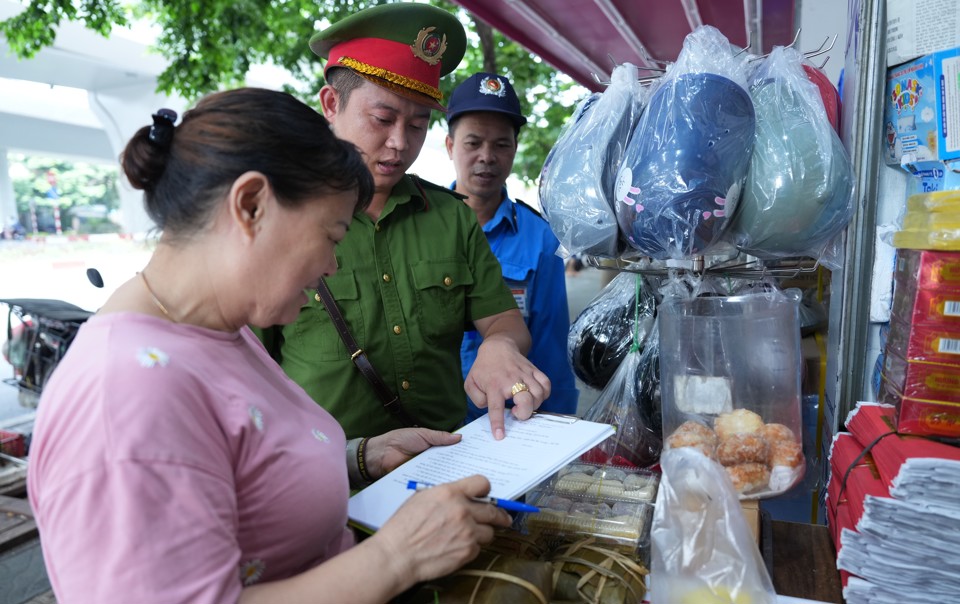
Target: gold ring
[518,388]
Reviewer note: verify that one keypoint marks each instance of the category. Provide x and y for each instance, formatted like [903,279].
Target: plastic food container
[612,504]
[730,369]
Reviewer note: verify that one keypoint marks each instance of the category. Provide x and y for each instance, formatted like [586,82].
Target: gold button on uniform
[377,228]
[396,329]
[386,278]
[447,281]
[317,298]
[405,385]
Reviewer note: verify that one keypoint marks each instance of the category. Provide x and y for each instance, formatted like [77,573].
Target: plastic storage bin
[730,381]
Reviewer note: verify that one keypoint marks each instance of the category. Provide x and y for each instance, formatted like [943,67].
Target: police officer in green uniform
[415,269]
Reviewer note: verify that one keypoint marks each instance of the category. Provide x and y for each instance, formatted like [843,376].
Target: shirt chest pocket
[441,289]
[318,334]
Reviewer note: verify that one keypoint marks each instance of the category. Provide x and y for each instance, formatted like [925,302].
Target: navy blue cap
[485,92]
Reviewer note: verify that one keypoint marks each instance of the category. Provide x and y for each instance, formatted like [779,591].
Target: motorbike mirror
[94,276]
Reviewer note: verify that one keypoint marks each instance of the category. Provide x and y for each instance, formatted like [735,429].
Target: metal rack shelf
[740,266]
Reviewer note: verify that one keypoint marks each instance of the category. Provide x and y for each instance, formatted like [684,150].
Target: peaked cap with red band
[405,48]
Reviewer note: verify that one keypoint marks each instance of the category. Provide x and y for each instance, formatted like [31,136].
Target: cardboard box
[925,417]
[922,113]
[930,381]
[925,269]
[927,307]
[751,512]
[927,342]
[919,27]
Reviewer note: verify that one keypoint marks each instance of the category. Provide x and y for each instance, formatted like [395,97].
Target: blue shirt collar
[506,213]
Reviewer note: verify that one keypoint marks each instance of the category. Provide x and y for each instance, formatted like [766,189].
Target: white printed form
[532,451]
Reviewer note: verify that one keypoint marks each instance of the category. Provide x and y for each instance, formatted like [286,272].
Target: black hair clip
[161,132]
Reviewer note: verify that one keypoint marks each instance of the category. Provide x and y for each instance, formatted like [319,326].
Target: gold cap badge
[429,46]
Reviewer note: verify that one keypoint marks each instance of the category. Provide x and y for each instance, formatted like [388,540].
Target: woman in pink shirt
[172,459]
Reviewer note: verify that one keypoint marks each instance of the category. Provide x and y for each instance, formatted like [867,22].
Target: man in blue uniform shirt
[484,120]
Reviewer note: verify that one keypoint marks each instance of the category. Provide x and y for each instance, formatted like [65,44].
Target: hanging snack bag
[576,182]
[681,175]
[799,191]
[730,371]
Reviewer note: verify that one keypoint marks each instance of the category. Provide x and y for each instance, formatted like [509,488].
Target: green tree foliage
[75,185]
[211,45]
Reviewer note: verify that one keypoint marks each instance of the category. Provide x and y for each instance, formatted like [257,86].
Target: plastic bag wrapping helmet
[799,191]
[576,182]
[828,94]
[684,166]
[601,335]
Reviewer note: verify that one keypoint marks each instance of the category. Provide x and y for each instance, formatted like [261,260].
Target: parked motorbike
[39,331]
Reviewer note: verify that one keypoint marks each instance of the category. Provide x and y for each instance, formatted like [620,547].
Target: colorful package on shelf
[921,109]
[577,179]
[927,269]
[730,385]
[915,379]
[683,169]
[928,342]
[798,193]
[870,422]
[927,306]
[931,222]
[923,417]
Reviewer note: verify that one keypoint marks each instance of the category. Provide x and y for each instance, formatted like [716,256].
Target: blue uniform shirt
[526,248]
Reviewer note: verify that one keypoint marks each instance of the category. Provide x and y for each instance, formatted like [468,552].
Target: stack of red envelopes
[894,510]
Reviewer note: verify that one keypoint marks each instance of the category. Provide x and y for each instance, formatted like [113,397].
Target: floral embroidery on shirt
[317,434]
[257,416]
[250,572]
[151,357]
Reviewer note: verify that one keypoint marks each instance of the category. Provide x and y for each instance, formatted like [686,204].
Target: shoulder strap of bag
[390,401]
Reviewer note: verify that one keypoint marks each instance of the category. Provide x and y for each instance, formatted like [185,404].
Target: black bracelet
[361,460]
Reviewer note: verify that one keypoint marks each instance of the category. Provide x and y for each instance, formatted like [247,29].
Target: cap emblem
[492,86]
[428,46]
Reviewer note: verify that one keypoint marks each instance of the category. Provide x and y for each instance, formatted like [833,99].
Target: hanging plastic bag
[799,190]
[681,175]
[576,182]
[637,442]
[730,370]
[600,336]
[702,549]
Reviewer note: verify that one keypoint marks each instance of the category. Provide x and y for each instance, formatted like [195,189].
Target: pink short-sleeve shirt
[172,463]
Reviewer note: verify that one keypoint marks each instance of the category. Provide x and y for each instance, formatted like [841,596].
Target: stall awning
[579,37]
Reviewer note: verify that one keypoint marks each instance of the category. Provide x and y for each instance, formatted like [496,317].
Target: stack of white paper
[532,451]
[934,483]
[905,547]
[902,549]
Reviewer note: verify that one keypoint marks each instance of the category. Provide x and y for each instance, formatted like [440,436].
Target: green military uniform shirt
[408,285]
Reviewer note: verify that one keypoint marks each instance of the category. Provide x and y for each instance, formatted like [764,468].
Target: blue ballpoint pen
[506,504]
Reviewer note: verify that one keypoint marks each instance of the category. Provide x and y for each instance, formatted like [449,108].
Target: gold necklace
[153,297]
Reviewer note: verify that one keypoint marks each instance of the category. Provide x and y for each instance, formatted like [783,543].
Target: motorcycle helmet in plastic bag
[576,182]
[681,175]
[799,191]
